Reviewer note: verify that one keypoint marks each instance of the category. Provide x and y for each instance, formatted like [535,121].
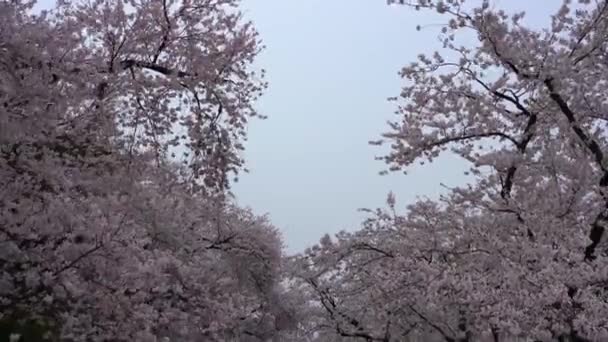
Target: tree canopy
[122,125]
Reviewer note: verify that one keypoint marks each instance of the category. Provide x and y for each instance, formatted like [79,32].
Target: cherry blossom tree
[121,123]
[520,251]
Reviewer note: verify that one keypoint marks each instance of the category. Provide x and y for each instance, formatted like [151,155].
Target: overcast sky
[331,65]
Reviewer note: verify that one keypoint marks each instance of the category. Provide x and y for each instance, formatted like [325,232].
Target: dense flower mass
[520,252]
[107,232]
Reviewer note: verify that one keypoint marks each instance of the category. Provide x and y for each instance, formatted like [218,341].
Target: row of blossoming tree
[518,253]
[122,124]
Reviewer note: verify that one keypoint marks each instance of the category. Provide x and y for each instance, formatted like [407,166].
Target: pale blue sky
[331,65]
